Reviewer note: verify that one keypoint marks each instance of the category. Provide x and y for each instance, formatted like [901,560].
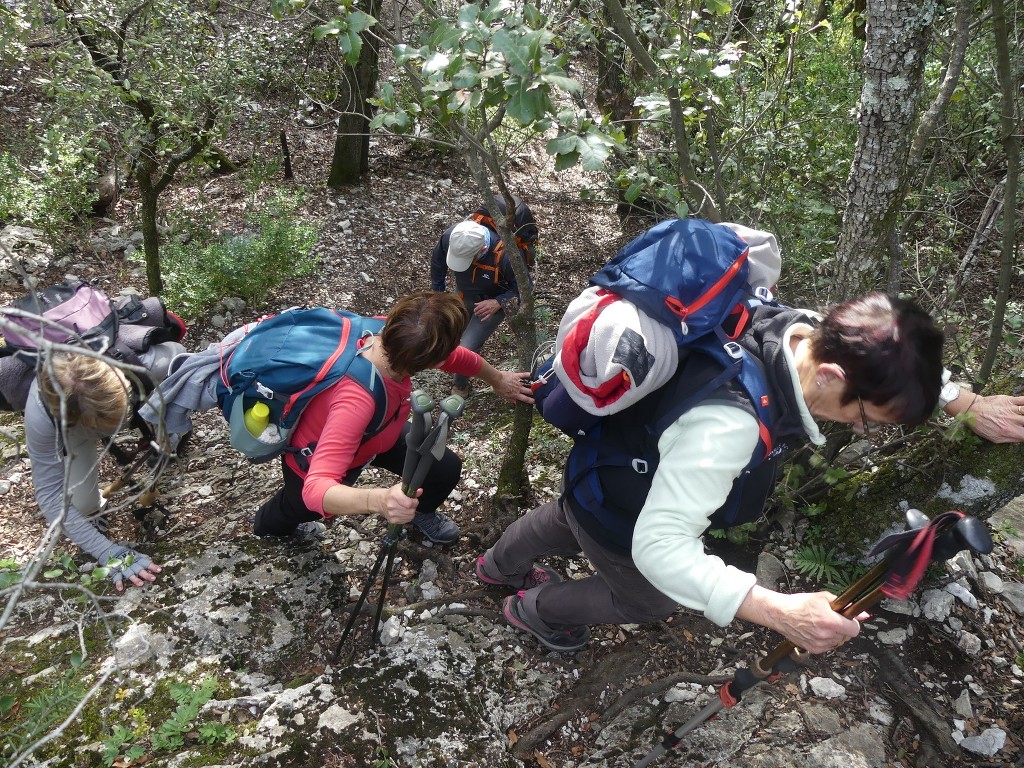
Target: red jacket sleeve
[345,413]
[463,361]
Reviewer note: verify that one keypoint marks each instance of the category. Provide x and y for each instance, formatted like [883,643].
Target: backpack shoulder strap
[366,375]
[748,371]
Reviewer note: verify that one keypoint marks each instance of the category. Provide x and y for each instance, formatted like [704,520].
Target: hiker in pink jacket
[422,331]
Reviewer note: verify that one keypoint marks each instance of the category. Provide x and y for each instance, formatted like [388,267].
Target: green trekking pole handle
[453,405]
[422,405]
[433,446]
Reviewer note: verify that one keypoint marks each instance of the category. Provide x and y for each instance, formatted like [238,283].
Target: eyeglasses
[869,427]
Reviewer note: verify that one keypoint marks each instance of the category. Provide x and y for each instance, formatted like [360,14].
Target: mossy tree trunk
[351,156]
[898,32]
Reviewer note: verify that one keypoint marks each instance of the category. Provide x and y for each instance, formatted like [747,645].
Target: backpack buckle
[764,294]
[266,392]
[733,350]
[639,466]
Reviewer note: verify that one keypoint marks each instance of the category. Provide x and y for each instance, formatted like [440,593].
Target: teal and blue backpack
[284,362]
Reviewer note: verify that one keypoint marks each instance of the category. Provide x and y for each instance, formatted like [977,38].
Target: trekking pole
[422,405]
[908,555]
[431,450]
[424,447]
[122,481]
[148,497]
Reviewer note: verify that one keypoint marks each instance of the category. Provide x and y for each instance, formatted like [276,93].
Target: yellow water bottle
[257,418]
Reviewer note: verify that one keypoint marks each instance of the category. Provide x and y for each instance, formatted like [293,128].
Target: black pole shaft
[372,577]
[383,595]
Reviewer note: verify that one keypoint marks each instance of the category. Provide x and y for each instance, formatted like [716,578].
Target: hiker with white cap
[484,278]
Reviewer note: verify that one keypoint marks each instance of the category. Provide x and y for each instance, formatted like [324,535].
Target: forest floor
[374,246]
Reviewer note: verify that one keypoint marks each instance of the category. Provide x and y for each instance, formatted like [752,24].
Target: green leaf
[360,22]
[9,579]
[53,573]
[566,160]
[352,46]
[567,84]
[593,152]
[135,752]
[682,209]
[7,703]
[719,7]
[633,192]
[330,29]
[524,105]
[436,63]
[562,144]
[406,53]
[517,56]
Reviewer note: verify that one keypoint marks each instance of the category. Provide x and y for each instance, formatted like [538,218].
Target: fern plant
[819,563]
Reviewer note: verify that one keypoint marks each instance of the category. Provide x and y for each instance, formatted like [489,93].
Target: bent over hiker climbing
[360,418]
[641,491]
[484,277]
[58,363]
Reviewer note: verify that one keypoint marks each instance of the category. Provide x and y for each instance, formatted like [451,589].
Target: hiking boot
[437,527]
[539,574]
[463,392]
[558,640]
[305,533]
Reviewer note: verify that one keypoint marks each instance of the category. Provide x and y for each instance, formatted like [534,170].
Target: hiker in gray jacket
[75,401]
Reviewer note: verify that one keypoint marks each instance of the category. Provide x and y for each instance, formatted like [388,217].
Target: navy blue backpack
[284,362]
[693,277]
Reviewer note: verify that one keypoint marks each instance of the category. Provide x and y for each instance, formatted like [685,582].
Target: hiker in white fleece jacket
[871,360]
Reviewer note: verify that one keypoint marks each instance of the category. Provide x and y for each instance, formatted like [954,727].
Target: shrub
[49,189]
[276,246]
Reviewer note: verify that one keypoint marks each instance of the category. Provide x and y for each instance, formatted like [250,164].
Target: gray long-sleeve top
[47,450]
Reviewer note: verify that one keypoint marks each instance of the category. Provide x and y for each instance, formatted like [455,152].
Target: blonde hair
[96,394]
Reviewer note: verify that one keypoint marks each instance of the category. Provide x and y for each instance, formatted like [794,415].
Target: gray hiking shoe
[539,574]
[304,533]
[437,527]
[565,640]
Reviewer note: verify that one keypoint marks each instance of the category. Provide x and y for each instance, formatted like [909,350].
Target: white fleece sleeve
[702,453]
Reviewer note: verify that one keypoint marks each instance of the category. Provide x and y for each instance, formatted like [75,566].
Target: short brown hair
[422,330]
[95,396]
[890,350]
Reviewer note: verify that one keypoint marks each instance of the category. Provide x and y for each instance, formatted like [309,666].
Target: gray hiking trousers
[617,594]
[477,332]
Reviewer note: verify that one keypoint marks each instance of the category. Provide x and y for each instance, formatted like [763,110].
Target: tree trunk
[351,156]
[513,480]
[897,41]
[150,234]
[1010,123]
[704,205]
[613,94]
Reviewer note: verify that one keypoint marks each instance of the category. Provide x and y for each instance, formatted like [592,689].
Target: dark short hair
[891,351]
[422,330]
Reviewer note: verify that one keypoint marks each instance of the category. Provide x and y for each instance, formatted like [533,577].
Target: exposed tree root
[657,688]
[582,699]
[899,685]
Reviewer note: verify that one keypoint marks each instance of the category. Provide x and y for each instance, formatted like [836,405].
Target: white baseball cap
[467,241]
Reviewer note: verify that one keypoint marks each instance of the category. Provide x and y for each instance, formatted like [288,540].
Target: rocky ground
[935,681]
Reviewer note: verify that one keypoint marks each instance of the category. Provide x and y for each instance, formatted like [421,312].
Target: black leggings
[283,511]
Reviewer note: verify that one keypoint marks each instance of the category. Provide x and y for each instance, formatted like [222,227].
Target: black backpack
[77,313]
